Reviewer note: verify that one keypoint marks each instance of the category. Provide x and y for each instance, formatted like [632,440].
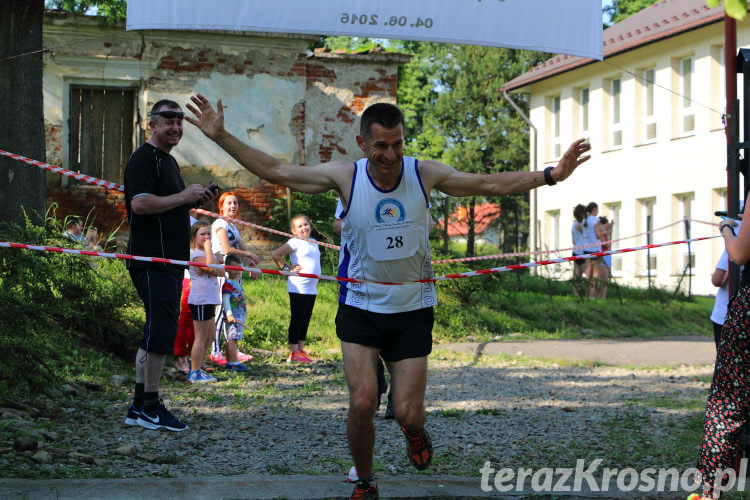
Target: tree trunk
[21,186]
[470,229]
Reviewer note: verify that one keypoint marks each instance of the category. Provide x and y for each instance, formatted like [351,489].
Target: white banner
[558,26]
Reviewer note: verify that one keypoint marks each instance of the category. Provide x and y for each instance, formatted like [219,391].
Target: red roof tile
[484,215]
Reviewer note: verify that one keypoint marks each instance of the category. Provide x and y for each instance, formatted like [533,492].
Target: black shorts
[579,262]
[202,312]
[398,335]
[160,289]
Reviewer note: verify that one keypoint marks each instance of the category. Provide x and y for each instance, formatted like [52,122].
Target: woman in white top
[305,257]
[579,240]
[598,274]
[226,240]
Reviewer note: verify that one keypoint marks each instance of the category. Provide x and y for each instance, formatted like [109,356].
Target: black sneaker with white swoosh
[158,417]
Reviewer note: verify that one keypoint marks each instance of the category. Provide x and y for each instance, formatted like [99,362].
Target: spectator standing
[594,245]
[727,402]
[604,233]
[157,204]
[304,256]
[580,266]
[234,305]
[203,299]
[720,279]
[227,240]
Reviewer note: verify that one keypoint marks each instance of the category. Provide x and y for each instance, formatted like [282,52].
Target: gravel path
[289,419]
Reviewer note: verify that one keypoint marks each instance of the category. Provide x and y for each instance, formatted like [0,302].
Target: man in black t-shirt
[158,205]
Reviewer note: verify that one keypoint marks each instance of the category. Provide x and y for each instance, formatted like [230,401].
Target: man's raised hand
[209,120]
[570,160]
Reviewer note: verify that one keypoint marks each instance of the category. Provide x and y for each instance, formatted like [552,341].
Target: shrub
[54,300]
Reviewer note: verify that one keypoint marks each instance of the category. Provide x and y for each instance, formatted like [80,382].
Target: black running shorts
[398,335]
[160,288]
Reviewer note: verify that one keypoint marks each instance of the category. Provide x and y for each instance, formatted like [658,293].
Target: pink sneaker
[219,359]
[244,357]
[299,357]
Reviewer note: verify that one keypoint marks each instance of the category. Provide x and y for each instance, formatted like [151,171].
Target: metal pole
[533,166]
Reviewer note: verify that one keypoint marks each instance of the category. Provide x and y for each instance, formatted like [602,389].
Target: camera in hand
[210,188]
[213,188]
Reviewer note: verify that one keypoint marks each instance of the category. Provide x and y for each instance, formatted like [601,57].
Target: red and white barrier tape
[63,171]
[481,272]
[119,187]
[560,250]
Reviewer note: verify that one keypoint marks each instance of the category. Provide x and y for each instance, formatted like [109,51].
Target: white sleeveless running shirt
[384,237]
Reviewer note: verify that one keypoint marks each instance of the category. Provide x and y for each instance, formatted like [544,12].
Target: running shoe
[304,357]
[418,448]
[364,490]
[133,415]
[244,357]
[237,367]
[218,358]
[199,377]
[298,357]
[159,417]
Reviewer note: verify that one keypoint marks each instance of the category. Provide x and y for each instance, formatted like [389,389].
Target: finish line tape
[481,272]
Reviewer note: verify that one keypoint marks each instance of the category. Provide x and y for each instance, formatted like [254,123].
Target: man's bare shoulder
[433,171]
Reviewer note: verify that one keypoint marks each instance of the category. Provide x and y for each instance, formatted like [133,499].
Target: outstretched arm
[455,183]
[308,179]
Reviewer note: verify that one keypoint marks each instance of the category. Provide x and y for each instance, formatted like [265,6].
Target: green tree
[482,133]
[622,9]
[22,189]
[419,85]
[734,8]
[113,11]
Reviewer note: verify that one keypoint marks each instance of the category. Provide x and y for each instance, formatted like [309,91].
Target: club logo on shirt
[389,210]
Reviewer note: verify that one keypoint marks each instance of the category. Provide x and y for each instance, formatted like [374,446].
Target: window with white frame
[684,210]
[613,214]
[687,113]
[556,142]
[615,119]
[646,225]
[553,234]
[583,112]
[648,111]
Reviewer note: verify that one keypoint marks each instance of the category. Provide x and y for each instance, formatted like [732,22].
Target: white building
[652,110]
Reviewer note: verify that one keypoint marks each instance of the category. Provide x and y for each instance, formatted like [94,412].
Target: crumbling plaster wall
[298,107]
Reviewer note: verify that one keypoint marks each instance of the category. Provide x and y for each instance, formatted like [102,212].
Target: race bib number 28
[392,241]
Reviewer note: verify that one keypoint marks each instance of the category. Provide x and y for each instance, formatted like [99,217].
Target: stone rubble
[279,418]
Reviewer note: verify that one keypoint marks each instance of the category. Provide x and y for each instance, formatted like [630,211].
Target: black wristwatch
[548,177]
[729,225]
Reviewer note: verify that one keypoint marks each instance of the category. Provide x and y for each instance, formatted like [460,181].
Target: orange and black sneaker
[418,448]
[365,490]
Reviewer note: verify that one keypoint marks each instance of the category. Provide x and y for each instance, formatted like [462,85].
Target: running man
[384,238]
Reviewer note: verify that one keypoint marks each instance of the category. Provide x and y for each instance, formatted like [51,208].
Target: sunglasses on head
[169,114]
